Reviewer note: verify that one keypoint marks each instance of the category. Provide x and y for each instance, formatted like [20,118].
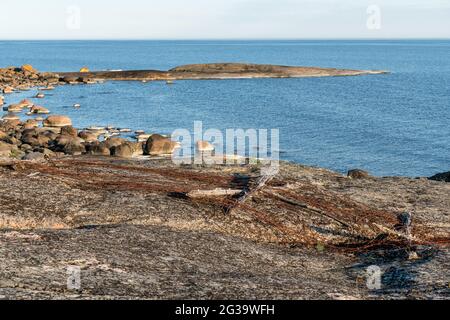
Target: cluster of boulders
[39,138]
[54,136]
[25,104]
[25,77]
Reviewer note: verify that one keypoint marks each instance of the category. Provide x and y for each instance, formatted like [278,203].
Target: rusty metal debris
[307,215]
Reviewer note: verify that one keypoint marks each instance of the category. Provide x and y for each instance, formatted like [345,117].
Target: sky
[224,19]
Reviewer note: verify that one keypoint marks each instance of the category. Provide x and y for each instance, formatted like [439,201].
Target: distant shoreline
[218,71]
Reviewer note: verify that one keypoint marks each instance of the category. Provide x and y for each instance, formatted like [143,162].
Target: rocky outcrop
[310,234]
[21,78]
[445,176]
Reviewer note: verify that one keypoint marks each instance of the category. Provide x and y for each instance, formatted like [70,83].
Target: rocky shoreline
[38,138]
[125,214]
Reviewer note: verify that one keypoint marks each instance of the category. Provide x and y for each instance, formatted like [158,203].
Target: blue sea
[394,124]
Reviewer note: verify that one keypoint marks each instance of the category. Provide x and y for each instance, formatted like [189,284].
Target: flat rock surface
[129,228]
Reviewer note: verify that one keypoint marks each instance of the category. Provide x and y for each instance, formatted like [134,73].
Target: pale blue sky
[222,19]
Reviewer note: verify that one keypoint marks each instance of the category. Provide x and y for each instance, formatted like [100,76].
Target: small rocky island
[139,226]
[221,71]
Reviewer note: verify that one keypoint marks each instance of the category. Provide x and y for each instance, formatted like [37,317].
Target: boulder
[28,126]
[63,139]
[26,147]
[68,144]
[159,145]
[49,77]
[15,108]
[34,138]
[13,123]
[31,123]
[48,153]
[10,116]
[358,174]
[6,149]
[47,130]
[74,147]
[445,177]
[8,90]
[114,142]
[26,103]
[12,140]
[142,137]
[70,80]
[34,156]
[17,153]
[3,135]
[97,149]
[57,121]
[88,136]
[125,150]
[69,130]
[97,130]
[28,68]
[86,80]
[48,133]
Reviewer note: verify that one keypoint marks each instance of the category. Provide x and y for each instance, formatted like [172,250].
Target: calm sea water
[396,124]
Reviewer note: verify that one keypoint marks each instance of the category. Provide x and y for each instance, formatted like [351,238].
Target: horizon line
[229,39]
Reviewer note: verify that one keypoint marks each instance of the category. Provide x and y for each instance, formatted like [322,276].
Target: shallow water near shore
[395,124]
